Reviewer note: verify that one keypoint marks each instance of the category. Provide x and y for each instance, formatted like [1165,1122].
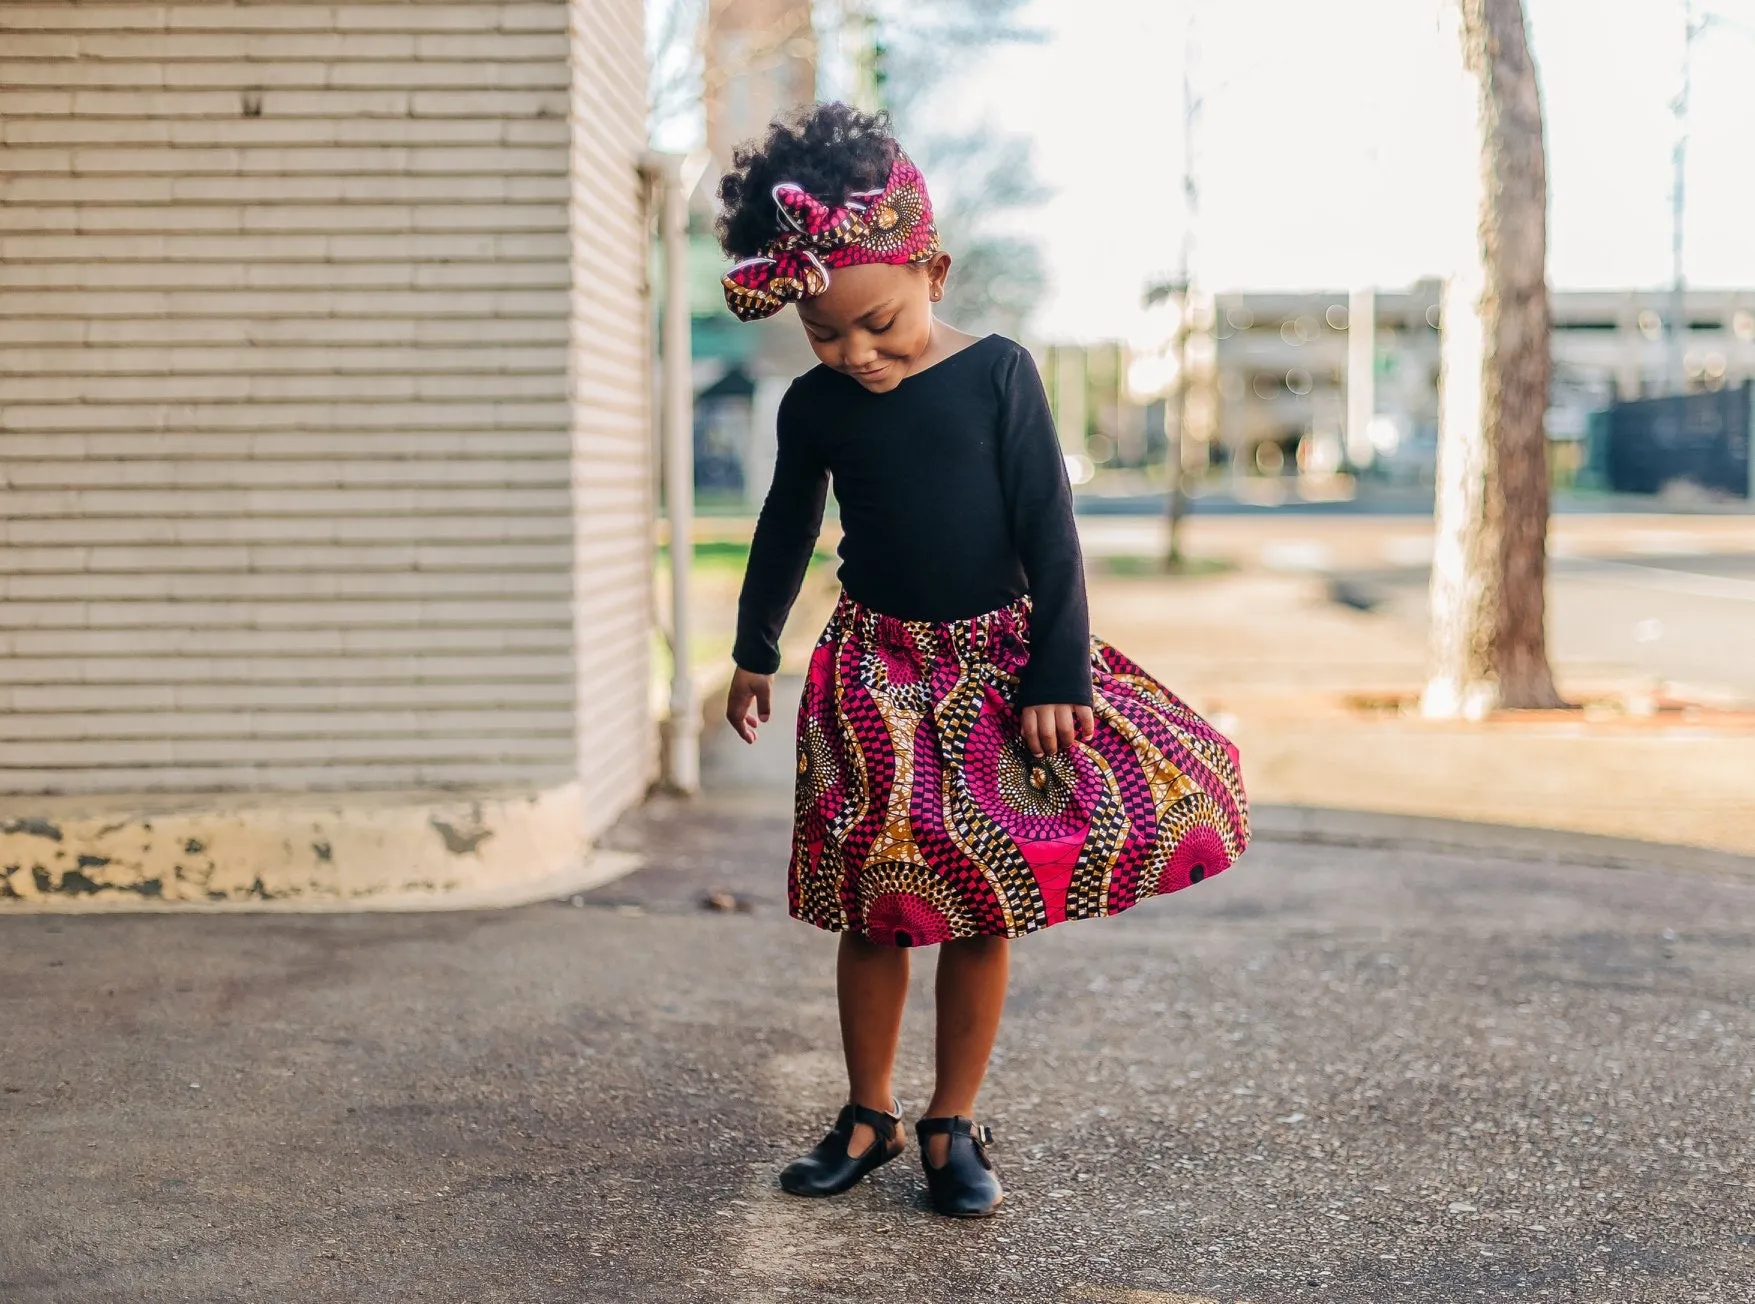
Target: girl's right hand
[748,689]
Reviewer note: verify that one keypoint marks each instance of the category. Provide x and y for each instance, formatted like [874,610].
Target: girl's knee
[865,948]
[979,945]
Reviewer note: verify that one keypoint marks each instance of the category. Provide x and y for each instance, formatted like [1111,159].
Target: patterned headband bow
[889,225]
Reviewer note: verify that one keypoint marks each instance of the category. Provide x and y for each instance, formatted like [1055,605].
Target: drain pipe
[682,732]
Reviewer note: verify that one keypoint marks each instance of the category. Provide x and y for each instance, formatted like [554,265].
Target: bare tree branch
[674,60]
[980,175]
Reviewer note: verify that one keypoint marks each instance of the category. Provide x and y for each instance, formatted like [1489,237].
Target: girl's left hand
[1051,729]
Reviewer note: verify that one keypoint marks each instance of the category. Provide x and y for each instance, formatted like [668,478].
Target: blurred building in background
[324,413]
[1281,371]
[1262,382]
[1690,446]
[1097,411]
[1282,368]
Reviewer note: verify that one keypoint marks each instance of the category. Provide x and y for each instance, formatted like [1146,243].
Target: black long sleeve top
[954,502]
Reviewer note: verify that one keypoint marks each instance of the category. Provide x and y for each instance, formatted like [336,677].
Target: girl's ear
[936,272]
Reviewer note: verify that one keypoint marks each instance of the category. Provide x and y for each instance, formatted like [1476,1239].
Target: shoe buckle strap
[955,1127]
[876,1119]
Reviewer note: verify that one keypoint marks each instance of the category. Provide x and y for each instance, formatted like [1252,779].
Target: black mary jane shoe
[829,1169]
[965,1185]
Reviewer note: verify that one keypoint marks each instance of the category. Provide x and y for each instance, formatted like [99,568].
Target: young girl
[972,765]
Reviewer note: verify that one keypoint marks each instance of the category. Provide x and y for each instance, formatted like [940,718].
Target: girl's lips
[870,373]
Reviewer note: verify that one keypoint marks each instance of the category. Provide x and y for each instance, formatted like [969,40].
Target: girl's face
[874,322]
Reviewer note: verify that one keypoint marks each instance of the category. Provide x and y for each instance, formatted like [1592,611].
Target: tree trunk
[1489,646]
[1174,443]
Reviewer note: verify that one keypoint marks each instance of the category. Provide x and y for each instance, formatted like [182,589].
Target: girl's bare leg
[971,987]
[871,986]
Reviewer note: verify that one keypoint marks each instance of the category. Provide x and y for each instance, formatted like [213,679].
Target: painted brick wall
[300,482]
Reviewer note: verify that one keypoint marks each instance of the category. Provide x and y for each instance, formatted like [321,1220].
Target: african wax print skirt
[921,816]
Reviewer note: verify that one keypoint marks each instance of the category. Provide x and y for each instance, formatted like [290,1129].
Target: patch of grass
[1132,564]
[731,554]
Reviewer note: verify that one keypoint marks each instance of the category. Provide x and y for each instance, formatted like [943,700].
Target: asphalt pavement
[1367,1073]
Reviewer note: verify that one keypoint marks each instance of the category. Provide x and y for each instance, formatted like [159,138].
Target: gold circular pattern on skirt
[1035,785]
[895,878]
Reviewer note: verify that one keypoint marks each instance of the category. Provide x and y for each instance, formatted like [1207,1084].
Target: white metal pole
[682,760]
[1677,337]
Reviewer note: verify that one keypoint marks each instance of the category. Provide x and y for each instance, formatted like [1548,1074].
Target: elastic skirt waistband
[1003,630]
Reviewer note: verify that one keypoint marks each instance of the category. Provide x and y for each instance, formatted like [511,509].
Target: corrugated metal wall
[295,490]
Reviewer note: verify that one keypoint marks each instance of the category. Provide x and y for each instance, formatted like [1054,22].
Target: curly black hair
[832,150]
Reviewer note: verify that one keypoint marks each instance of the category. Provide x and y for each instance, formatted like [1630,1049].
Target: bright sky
[1329,146]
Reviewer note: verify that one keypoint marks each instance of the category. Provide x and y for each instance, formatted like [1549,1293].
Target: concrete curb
[593,871]
[305,851]
[1322,826]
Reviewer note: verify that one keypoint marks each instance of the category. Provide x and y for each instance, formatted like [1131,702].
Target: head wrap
[889,225]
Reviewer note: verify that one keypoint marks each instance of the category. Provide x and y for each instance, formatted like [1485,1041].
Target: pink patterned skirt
[922,817]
